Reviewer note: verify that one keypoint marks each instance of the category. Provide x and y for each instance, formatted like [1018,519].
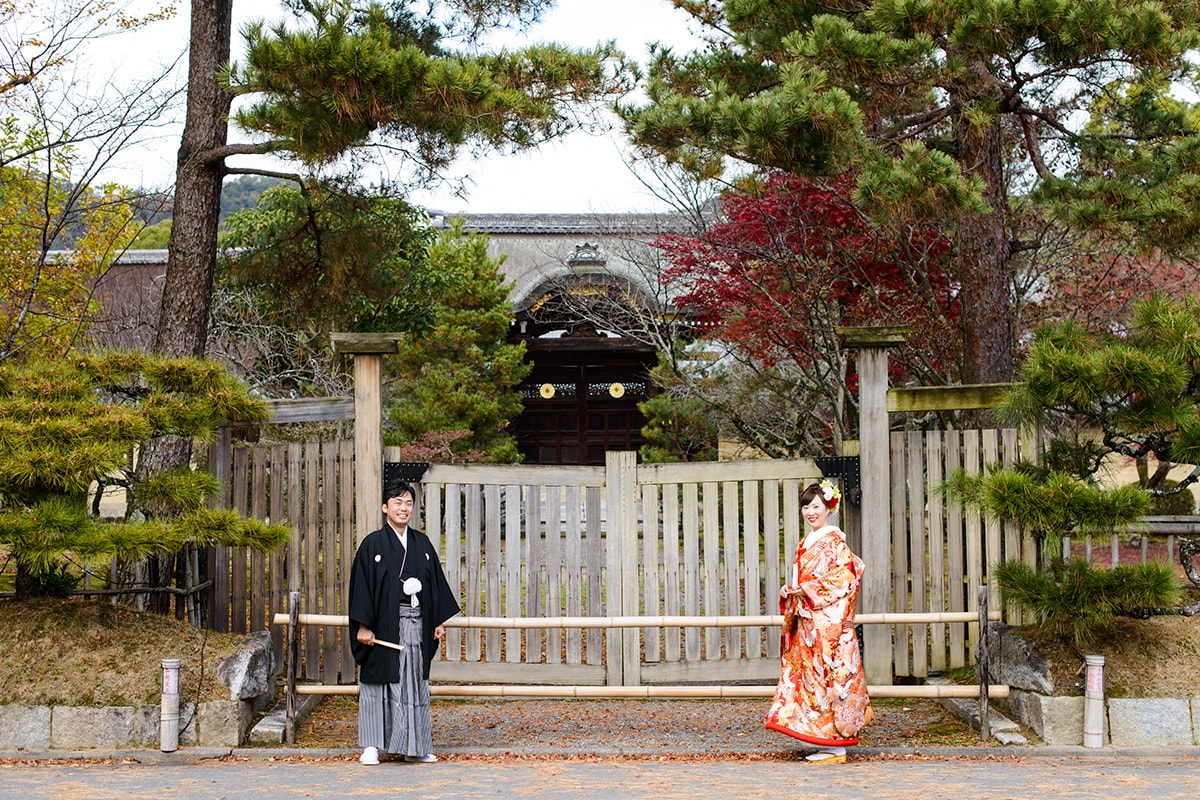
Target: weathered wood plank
[740,670]
[237,573]
[575,569]
[671,566]
[1012,549]
[493,564]
[277,483]
[512,568]
[974,540]
[934,455]
[544,674]
[731,528]
[993,531]
[595,551]
[259,593]
[445,510]
[533,572]
[691,567]
[311,555]
[956,569]
[918,538]
[329,550]
[752,538]
[552,515]
[946,398]
[804,469]
[901,596]
[524,474]
[651,571]
[345,449]
[711,526]
[473,550]
[772,557]
[311,409]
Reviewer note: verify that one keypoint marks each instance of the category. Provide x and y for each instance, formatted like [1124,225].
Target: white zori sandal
[829,755]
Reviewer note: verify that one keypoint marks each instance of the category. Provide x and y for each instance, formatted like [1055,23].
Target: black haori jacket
[375,597]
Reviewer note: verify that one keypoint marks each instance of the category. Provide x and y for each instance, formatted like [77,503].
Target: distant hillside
[243,192]
[237,194]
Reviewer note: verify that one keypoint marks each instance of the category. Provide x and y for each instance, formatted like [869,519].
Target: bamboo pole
[648,692]
[886,618]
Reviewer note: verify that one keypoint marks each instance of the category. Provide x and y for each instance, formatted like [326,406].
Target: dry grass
[86,653]
[1155,657]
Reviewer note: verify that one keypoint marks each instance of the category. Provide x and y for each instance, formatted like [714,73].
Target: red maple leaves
[795,258]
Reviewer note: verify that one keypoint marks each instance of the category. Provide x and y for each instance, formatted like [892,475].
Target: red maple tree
[793,259]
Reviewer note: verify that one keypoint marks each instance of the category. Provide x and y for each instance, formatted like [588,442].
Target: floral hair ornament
[829,491]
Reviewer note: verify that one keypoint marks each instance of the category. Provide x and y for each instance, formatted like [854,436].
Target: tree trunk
[187,294]
[192,251]
[983,264]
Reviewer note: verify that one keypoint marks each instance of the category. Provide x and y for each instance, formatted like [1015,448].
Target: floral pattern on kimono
[822,693]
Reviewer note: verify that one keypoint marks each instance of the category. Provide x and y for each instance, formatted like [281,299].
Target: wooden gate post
[367,350]
[872,344]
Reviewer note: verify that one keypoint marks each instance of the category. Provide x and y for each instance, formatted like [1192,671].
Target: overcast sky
[582,173]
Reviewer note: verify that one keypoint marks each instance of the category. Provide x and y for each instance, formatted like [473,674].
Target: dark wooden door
[579,406]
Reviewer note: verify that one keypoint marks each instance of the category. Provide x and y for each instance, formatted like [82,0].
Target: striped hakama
[394,717]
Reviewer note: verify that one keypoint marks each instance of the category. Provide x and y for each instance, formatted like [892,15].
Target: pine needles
[1076,600]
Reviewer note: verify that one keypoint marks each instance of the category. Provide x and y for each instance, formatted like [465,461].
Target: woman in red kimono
[821,698]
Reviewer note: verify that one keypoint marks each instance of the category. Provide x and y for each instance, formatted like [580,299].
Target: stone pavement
[952,774]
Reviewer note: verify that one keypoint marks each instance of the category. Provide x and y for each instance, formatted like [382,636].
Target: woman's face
[815,513]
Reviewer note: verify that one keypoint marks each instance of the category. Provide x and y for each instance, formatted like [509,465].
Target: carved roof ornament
[587,254]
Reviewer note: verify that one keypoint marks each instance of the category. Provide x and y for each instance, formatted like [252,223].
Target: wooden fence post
[626,463]
[875,465]
[368,350]
[293,664]
[982,665]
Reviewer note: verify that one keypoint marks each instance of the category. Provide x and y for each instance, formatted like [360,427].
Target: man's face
[398,510]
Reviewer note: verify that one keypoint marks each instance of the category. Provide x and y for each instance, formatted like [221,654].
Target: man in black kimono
[399,602]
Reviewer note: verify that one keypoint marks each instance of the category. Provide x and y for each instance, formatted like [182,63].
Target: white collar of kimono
[817,534]
[402,536]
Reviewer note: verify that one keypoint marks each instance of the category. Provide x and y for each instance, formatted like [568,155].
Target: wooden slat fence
[939,548]
[310,487]
[667,539]
[1153,538]
[624,540]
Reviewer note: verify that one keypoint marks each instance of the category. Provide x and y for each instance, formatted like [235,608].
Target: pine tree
[458,380]
[347,80]
[940,106]
[680,426]
[1129,394]
[65,425]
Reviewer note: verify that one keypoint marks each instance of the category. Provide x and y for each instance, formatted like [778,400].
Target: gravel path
[689,728]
